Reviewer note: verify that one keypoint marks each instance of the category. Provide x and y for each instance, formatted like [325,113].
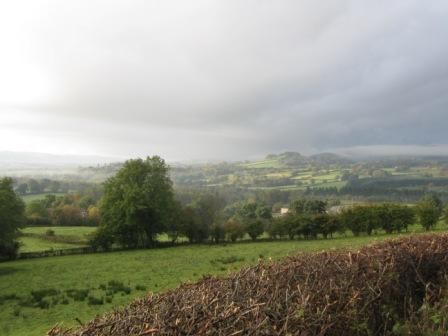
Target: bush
[114,286]
[92,301]
[101,239]
[77,294]
[8,297]
[227,260]
[40,294]
[50,233]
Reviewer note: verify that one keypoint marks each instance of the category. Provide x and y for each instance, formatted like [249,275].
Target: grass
[35,239]
[38,293]
[35,244]
[30,198]
[60,230]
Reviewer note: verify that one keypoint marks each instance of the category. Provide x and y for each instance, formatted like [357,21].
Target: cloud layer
[213,79]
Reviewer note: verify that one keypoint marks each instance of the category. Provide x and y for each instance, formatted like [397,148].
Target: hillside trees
[138,202]
[12,217]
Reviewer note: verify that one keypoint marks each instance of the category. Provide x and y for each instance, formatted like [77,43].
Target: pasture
[33,197]
[35,239]
[67,288]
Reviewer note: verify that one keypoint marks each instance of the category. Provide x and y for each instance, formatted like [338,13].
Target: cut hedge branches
[364,292]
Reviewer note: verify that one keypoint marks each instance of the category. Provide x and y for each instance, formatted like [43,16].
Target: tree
[22,188]
[254,218]
[85,202]
[234,229]
[208,210]
[12,217]
[217,232]
[188,226]
[304,206]
[67,215]
[290,225]
[35,187]
[36,208]
[328,224]
[395,217]
[137,202]
[93,215]
[37,213]
[428,211]
[254,228]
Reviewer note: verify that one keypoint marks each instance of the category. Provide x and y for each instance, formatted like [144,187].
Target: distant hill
[294,159]
[289,159]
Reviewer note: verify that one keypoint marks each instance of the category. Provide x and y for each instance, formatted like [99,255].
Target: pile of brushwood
[378,290]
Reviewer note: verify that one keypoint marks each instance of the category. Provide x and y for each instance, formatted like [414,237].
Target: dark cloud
[212,79]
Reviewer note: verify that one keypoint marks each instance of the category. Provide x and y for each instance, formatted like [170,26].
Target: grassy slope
[156,269]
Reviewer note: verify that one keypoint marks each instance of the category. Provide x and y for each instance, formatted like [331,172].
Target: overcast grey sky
[193,80]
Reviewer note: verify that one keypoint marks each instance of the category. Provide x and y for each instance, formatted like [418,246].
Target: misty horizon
[205,80]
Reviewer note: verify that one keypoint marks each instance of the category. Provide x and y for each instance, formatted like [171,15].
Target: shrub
[44,304]
[50,233]
[16,311]
[114,286]
[92,301]
[39,295]
[8,297]
[140,287]
[101,239]
[77,294]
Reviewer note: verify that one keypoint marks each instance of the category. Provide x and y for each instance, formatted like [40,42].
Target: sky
[207,80]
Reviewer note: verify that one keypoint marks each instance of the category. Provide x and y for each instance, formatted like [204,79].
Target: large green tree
[429,210]
[12,217]
[138,202]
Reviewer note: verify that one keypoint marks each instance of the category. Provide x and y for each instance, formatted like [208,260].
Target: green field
[34,239]
[263,164]
[151,270]
[30,198]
